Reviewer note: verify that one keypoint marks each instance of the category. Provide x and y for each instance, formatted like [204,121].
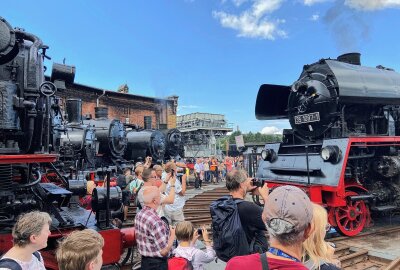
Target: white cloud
[312,2]
[253,22]
[314,17]
[239,2]
[271,130]
[370,5]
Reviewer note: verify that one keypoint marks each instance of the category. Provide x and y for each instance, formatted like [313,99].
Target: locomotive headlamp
[331,153]
[268,155]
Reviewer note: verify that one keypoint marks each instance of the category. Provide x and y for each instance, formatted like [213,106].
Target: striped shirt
[151,232]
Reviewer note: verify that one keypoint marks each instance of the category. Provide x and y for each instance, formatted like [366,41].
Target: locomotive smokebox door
[8,44]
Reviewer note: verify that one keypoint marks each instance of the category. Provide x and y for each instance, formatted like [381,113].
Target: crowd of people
[214,170]
[288,232]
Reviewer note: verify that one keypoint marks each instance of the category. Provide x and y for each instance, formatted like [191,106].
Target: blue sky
[213,54]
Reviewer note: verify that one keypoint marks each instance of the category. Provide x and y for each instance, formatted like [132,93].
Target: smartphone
[199,231]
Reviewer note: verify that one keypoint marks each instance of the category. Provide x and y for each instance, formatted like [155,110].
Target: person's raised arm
[264,192]
[182,193]
[171,196]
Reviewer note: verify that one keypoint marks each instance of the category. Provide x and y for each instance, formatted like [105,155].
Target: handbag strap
[264,261]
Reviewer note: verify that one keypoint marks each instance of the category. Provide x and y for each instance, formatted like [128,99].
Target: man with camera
[252,216]
[174,212]
[227,211]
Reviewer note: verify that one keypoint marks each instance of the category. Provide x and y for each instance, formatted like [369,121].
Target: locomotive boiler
[174,143]
[28,120]
[111,137]
[145,143]
[343,145]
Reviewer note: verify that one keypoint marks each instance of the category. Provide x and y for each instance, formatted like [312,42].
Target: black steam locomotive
[145,143]
[32,136]
[343,148]
[175,144]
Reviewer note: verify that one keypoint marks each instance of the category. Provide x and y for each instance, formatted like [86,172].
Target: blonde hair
[139,170]
[89,187]
[184,231]
[29,224]
[315,247]
[78,249]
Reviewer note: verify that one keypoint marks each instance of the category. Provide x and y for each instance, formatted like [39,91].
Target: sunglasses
[328,227]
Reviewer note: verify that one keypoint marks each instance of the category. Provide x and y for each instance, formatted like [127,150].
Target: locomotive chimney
[350,58]
[74,110]
[100,112]
[62,74]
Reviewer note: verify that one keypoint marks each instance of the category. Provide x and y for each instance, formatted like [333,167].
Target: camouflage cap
[288,209]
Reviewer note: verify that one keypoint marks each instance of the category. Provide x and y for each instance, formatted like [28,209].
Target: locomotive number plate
[306,118]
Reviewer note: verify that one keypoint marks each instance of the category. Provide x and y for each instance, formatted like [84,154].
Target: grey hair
[29,224]
[284,232]
[234,178]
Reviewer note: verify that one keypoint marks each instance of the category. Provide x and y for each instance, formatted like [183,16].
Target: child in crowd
[318,254]
[187,236]
[81,250]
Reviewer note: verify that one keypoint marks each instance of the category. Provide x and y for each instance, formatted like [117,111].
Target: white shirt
[196,256]
[179,201]
[34,264]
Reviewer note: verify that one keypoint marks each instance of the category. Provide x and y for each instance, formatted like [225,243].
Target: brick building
[148,112]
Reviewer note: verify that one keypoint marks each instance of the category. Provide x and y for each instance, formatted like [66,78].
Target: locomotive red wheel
[352,218]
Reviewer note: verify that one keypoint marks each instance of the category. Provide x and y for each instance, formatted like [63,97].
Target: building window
[125,110]
[147,122]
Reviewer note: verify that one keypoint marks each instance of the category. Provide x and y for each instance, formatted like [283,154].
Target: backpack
[13,265]
[121,181]
[179,263]
[228,235]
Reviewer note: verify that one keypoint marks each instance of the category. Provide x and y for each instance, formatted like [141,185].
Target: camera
[257,182]
[199,231]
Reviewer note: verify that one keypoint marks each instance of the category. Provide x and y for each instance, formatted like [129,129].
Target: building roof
[113,93]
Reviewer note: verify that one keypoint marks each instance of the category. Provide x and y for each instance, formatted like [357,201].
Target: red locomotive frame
[349,216]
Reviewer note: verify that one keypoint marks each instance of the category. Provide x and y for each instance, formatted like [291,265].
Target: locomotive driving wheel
[351,218]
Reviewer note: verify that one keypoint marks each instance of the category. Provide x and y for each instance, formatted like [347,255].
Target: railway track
[354,254]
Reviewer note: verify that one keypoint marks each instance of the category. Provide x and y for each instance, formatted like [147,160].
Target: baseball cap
[288,209]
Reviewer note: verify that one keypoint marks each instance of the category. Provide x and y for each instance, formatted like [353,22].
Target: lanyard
[280,253]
